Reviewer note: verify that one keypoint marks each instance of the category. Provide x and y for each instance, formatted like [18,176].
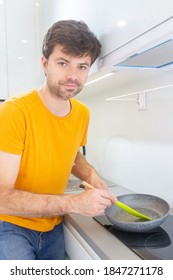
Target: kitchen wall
[130,147]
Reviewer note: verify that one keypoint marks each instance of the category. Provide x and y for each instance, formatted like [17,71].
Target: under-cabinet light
[100,78]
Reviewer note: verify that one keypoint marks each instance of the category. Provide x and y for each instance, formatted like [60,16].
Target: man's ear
[44,65]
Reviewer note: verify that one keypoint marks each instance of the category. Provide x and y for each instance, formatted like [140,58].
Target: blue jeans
[19,243]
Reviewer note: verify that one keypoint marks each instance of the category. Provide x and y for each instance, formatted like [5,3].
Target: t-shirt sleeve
[86,125]
[12,128]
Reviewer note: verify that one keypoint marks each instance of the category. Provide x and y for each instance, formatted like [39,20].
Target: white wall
[134,148]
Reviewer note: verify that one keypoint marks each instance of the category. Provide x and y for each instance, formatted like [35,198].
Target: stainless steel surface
[105,245]
[74,183]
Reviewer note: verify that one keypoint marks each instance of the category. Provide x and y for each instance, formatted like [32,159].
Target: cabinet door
[23,45]
[20,46]
[76,247]
[137,17]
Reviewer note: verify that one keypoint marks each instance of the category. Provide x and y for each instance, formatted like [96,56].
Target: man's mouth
[70,86]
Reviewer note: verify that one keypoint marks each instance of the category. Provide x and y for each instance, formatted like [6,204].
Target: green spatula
[122,205]
[132,211]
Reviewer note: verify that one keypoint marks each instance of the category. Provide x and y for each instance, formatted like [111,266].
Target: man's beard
[58,90]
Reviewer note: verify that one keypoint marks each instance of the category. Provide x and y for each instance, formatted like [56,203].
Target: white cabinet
[20,46]
[76,247]
[138,17]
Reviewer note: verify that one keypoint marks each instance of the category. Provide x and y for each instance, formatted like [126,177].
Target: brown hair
[75,37]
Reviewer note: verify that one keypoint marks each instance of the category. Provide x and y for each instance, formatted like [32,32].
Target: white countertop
[102,241]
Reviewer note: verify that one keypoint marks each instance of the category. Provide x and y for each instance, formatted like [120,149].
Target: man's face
[66,75]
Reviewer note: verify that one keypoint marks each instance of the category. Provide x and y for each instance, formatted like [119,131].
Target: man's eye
[83,67]
[63,64]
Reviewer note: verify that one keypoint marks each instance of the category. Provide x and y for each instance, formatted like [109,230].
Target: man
[40,135]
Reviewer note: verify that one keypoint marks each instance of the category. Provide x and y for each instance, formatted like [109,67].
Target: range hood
[156,57]
[151,50]
[144,58]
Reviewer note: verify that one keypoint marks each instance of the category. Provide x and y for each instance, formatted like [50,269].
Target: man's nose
[72,73]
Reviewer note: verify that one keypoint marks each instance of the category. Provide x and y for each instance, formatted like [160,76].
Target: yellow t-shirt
[48,145]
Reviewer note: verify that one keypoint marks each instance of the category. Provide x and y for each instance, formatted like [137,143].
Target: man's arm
[23,203]
[84,171]
[27,204]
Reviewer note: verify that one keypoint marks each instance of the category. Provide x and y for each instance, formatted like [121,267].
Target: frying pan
[150,205]
[120,204]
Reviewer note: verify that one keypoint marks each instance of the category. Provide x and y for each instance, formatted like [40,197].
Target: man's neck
[55,105]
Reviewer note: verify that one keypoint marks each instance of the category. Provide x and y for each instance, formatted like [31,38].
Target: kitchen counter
[102,242]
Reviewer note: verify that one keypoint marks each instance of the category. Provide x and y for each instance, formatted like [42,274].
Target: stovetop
[153,245]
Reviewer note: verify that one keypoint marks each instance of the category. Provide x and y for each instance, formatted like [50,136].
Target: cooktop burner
[153,245]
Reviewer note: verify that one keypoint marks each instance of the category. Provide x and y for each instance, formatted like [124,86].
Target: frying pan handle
[85,184]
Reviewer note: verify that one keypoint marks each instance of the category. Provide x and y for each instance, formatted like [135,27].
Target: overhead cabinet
[148,57]
[20,67]
[124,20]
